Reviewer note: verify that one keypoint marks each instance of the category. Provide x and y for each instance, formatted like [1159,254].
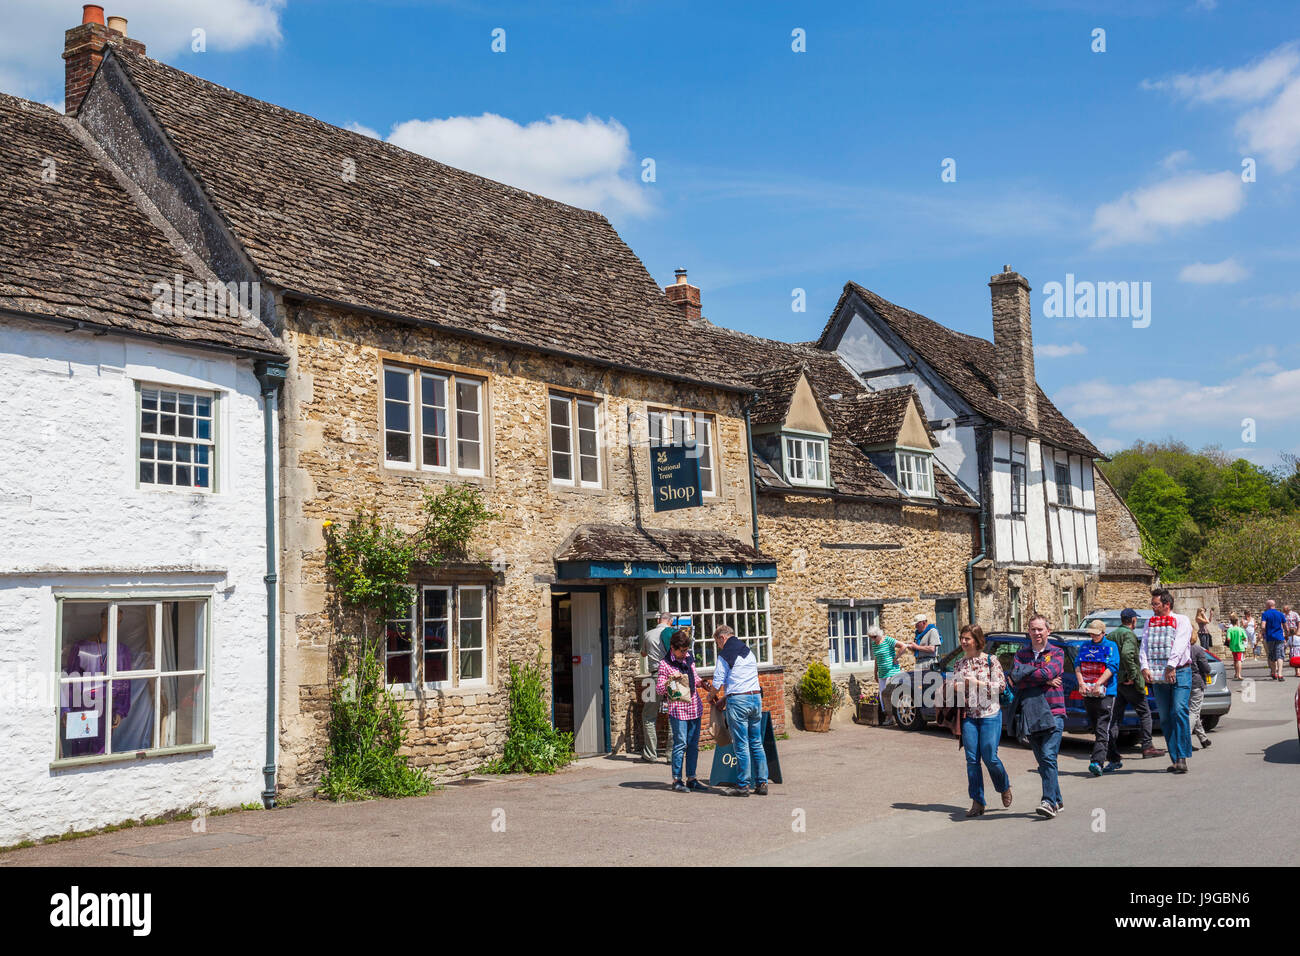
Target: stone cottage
[443,328]
[134,502]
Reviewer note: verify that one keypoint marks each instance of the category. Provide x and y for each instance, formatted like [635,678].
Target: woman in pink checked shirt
[676,684]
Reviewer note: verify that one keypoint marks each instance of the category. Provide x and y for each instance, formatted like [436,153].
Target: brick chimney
[83,49]
[684,295]
[1013,342]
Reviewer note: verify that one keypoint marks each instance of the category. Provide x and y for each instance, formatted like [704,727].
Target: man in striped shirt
[883,652]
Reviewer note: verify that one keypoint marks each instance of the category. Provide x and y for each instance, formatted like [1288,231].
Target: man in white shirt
[1166,660]
[735,683]
[652,652]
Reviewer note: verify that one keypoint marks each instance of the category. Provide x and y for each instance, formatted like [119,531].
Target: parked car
[916,698]
[1111,618]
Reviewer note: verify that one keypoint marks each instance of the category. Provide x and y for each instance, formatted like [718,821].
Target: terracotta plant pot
[817,719]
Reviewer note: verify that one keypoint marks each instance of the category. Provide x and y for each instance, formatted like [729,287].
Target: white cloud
[581,162]
[363,130]
[1246,84]
[1206,273]
[1152,406]
[1059,351]
[1272,131]
[1192,199]
[1177,158]
[31,44]
[1274,300]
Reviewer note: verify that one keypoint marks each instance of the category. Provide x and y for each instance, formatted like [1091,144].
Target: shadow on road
[1285,751]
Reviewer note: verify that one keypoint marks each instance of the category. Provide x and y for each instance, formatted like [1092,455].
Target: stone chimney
[684,295]
[83,49]
[1013,342]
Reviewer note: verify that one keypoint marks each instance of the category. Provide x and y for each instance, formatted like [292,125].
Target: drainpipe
[970,569]
[753,487]
[271,375]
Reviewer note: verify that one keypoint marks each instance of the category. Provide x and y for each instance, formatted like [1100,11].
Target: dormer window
[805,460]
[915,474]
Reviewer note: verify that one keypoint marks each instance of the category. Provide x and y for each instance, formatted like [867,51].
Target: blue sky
[778,170]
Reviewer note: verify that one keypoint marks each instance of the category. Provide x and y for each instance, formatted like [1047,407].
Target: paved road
[856,795]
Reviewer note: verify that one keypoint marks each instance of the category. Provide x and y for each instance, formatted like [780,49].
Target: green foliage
[451,519]
[1243,490]
[1257,550]
[532,744]
[816,689]
[1160,504]
[366,735]
[370,562]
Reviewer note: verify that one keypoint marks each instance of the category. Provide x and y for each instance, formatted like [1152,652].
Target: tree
[1256,551]
[1243,490]
[1160,504]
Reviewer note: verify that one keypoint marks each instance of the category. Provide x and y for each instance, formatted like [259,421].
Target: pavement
[856,795]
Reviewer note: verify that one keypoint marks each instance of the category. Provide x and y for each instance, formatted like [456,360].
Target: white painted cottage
[1027,465]
[133,503]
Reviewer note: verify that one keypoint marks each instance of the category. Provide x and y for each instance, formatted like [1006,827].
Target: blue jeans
[1173,703]
[980,735]
[686,744]
[1046,746]
[745,721]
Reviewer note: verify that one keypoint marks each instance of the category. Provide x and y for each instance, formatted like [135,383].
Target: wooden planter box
[817,719]
[868,713]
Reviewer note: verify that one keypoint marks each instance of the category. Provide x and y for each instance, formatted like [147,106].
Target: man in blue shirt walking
[735,682]
[1273,623]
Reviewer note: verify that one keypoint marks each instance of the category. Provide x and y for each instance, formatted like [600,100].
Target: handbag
[1008,696]
[678,688]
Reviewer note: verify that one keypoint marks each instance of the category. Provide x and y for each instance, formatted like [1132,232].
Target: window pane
[135,729]
[182,713]
[435,451]
[471,665]
[560,411]
[397,446]
[397,416]
[468,455]
[184,633]
[435,666]
[467,394]
[587,416]
[149,399]
[135,632]
[471,603]
[590,469]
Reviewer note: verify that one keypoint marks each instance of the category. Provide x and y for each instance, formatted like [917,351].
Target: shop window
[132,676]
[743,609]
[441,641]
[433,421]
[1015,622]
[692,430]
[575,441]
[176,444]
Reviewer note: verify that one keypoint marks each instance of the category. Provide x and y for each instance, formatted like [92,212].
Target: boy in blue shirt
[1095,667]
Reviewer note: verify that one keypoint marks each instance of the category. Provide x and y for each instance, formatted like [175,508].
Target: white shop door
[588,674]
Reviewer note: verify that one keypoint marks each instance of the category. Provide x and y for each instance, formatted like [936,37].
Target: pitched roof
[617,542]
[79,248]
[853,412]
[876,418]
[968,364]
[412,237]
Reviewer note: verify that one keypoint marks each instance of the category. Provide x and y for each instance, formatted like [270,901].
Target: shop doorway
[945,619]
[579,668]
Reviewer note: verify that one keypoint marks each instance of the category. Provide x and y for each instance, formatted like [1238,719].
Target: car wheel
[906,713]
[1209,723]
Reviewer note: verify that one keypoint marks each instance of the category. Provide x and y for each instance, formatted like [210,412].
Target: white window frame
[193,442]
[917,482]
[574,404]
[1067,608]
[455,621]
[1014,609]
[663,431]
[113,601]
[743,607]
[798,448]
[849,624]
[453,437]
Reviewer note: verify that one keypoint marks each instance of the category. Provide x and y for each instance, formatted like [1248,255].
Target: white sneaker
[1047,809]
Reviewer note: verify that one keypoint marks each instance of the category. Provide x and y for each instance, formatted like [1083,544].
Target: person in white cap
[928,639]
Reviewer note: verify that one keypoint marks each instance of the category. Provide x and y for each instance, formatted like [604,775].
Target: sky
[778,150]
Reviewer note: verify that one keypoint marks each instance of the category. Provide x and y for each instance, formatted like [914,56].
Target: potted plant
[818,696]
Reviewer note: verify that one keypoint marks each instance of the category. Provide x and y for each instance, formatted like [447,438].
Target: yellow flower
[327,523]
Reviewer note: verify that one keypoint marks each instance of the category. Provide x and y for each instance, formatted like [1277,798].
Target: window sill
[561,487]
[71,762]
[409,471]
[409,692]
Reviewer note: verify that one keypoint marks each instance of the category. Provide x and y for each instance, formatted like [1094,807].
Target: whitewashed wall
[865,352]
[72,519]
